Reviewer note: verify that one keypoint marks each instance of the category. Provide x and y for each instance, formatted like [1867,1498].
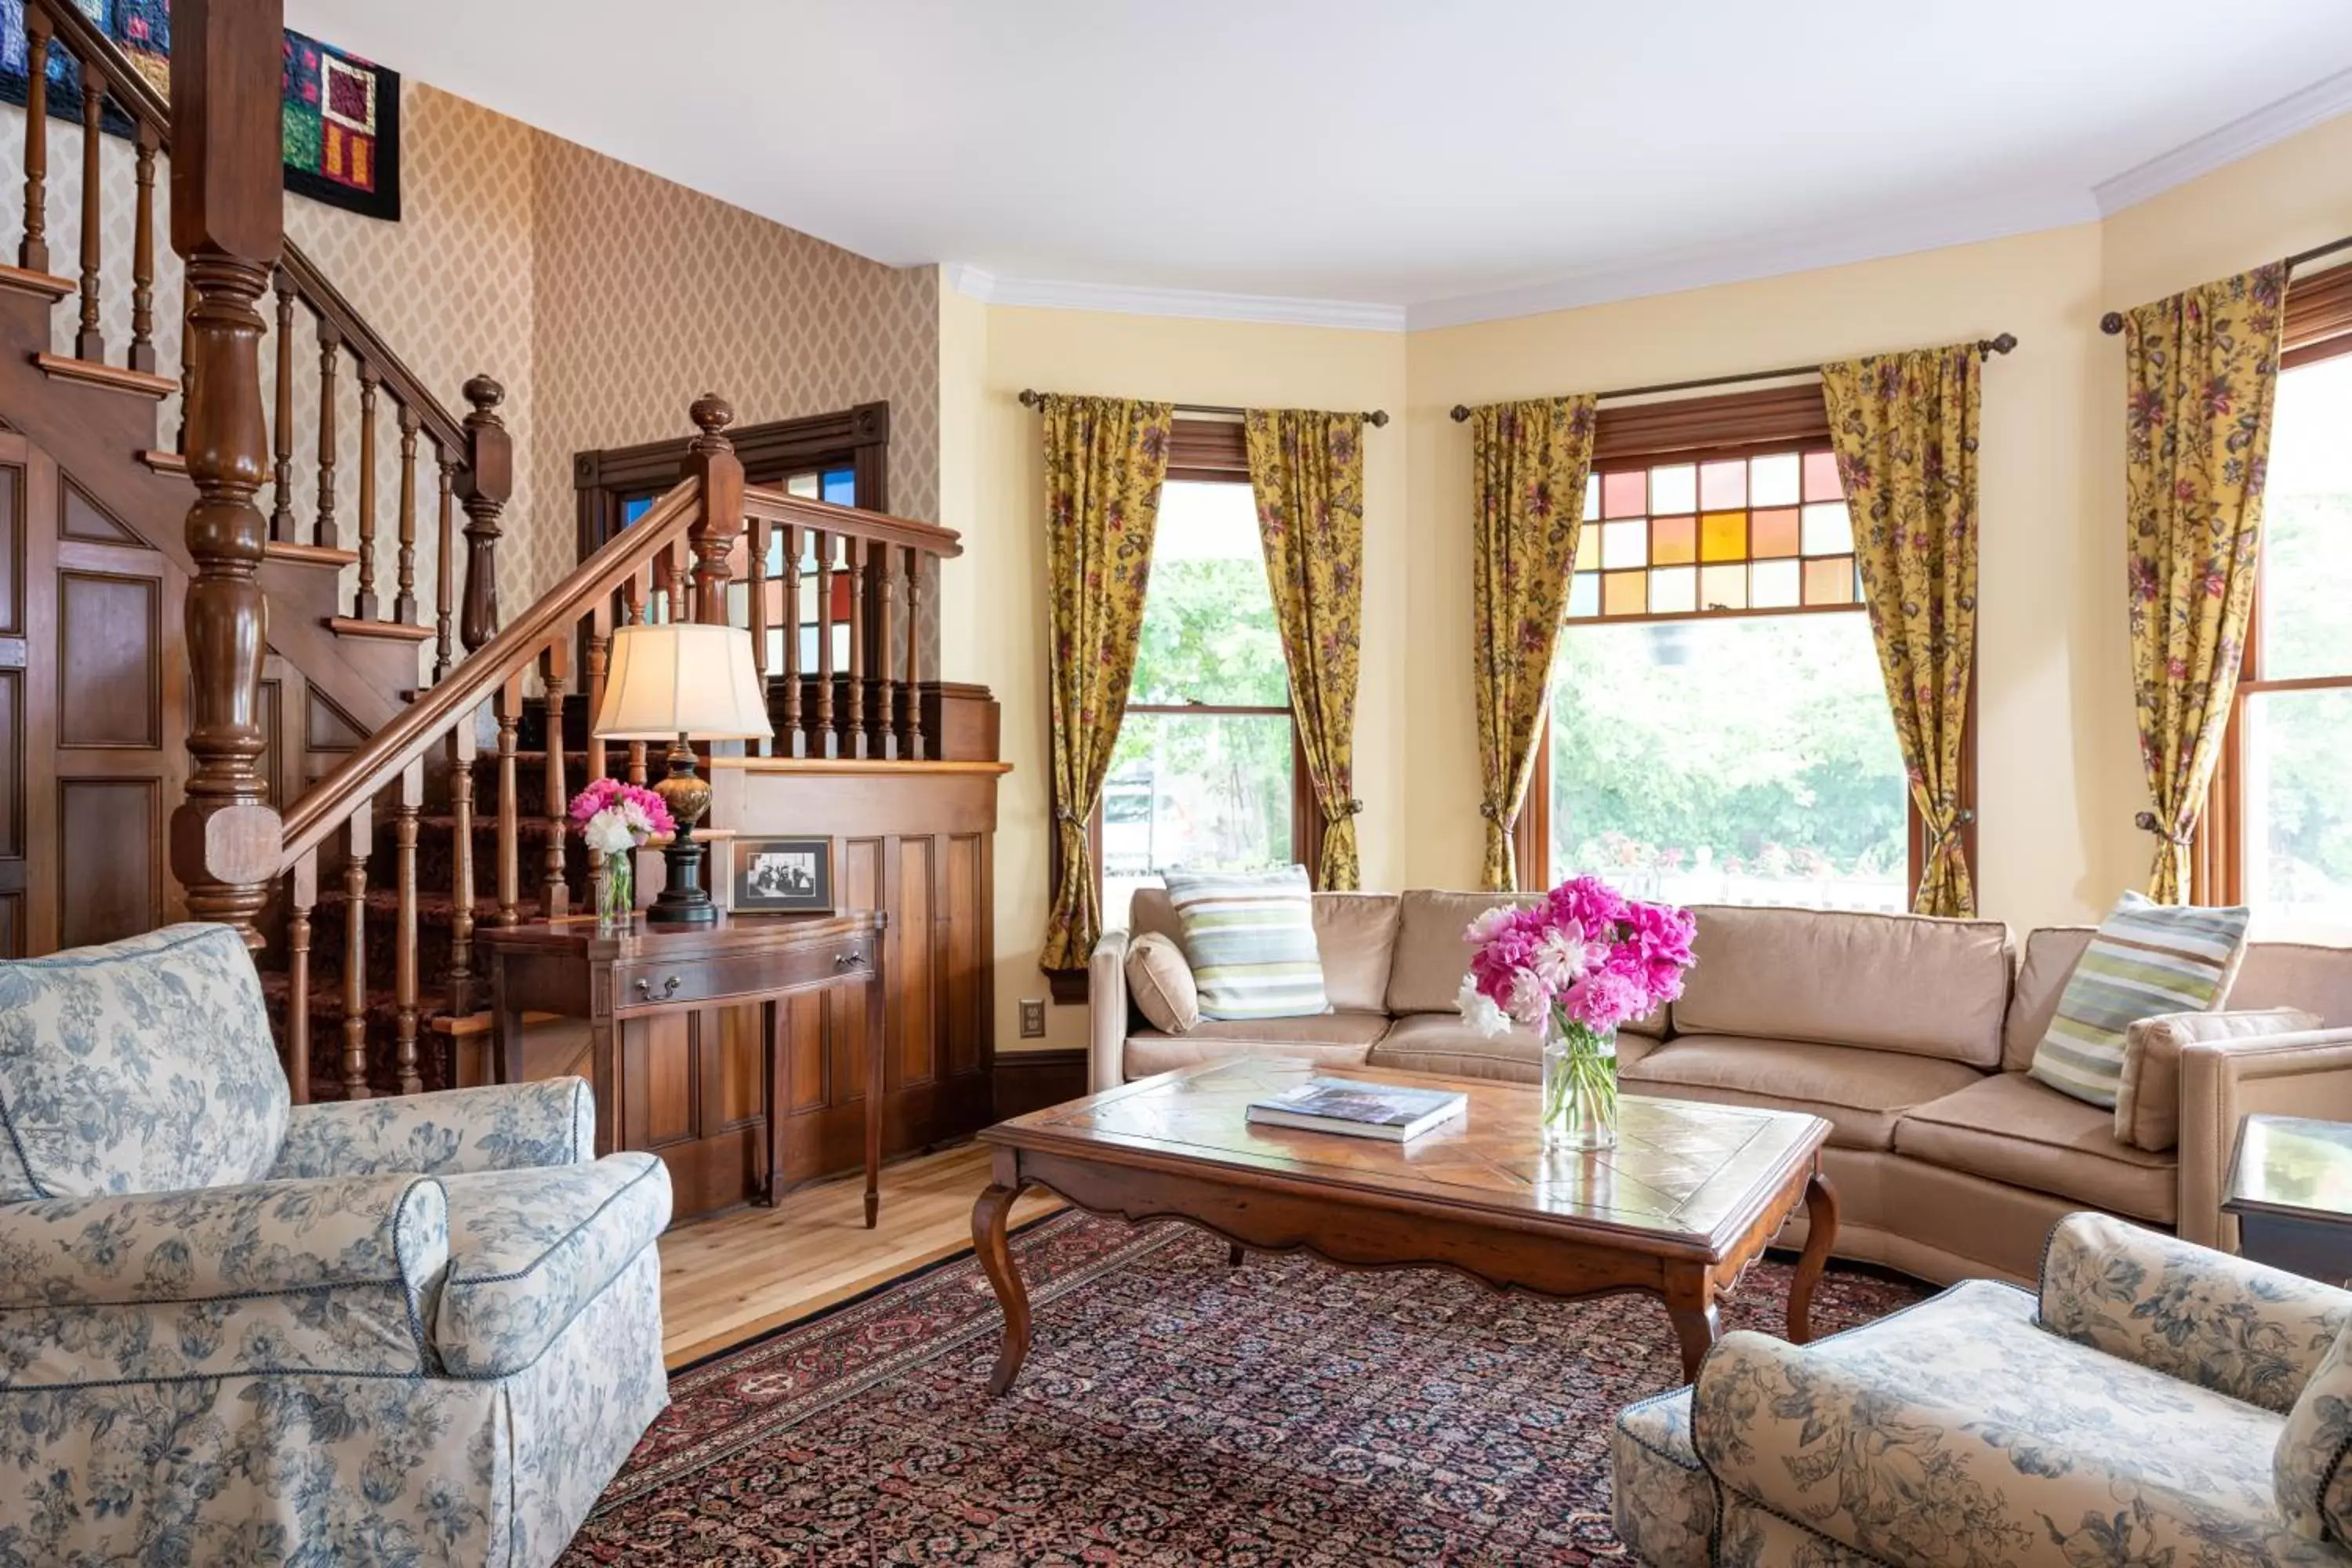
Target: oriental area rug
[1172,1410]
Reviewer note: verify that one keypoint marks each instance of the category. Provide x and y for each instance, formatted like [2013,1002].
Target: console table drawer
[653,982]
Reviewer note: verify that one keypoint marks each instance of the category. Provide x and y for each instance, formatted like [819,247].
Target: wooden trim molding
[1024,1081]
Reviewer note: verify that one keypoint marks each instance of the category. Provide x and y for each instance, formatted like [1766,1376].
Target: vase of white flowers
[614,820]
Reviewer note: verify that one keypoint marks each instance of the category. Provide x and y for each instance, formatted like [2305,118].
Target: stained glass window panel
[1674,590]
[1623,592]
[1591,496]
[1772,482]
[1773,533]
[1588,547]
[1674,540]
[1584,595]
[1673,489]
[1623,495]
[1723,536]
[1722,485]
[1774,586]
[1822,477]
[1625,543]
[1723,587]
[1828,530]
[810,486]
[1829,581]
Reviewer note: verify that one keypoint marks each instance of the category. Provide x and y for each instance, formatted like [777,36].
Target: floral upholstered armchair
[2157,1404]
[418,1331]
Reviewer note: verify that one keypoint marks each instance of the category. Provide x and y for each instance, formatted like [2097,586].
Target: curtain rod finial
[1377,419]
[1031,397]
[2112,323]
[2002,344]
[1461,412]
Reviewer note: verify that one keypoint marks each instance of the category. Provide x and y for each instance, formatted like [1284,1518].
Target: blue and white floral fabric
[420,1330]
[2131,1415]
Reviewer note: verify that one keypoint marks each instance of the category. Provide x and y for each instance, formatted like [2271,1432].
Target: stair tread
[391,631]
[164,462]
[48,284]
[89,373]
[309,554]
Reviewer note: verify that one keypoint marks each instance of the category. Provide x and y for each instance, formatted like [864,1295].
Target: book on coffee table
[1360,1110]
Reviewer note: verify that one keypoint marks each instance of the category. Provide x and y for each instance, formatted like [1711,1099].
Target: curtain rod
[1999,345]
[1375,417]
[2113,321]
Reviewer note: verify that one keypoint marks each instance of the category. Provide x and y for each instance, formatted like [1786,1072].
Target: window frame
[2318,327]
[1213,451]
[1713,430]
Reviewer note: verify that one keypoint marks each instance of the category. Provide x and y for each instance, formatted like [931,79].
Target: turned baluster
[885,729]
[827,741]
[914,751]
[462,747]
[357,841]
[484,486]
[364,603]
[404,936]
[509,807]
[89,343]
[665,575]
[633,593]
[853,706]
[142,257]
[553,672]
[796,737]
[331,348]
[757,560]
[404,586]
[302,897]
[281,444]
[600,643]
[445,586]
[33,250]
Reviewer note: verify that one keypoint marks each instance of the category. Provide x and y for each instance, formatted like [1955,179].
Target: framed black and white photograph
[784,876]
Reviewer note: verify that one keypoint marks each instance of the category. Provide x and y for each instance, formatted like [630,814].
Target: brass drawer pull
[669,987]
[849,960]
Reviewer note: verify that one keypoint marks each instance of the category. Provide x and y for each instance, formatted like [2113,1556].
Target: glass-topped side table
[2290,1188]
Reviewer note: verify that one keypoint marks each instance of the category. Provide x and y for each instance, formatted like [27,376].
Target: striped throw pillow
[1249,938]
[2146,960]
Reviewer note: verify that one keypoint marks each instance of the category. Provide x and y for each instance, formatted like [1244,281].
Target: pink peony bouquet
[1584,954]
[616,817]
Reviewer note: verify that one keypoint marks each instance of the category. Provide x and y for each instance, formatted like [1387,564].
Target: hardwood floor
[726,1279]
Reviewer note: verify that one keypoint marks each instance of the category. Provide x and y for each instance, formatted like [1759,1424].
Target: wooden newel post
[712,463]
[226,222]
[483,490]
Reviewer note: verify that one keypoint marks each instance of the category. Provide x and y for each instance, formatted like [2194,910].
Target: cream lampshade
[678,683]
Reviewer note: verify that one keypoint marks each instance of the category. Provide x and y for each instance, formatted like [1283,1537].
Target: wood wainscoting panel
[109,857]
[1032,1081]
[963,925]
[110,674]
[12,549]
[914,939]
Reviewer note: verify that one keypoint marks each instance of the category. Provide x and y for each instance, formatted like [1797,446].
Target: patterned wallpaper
[604,298]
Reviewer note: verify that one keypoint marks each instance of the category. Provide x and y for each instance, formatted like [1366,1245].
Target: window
[2278,834]
[1719,731]
[1205,772]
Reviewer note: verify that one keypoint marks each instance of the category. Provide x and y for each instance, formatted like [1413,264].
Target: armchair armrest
[1106,1013]
[2308,1073]
[335,1274]
[503,1127]
[2241,1328]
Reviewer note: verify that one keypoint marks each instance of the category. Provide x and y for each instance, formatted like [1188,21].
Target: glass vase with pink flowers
[1577,964]
[615,819]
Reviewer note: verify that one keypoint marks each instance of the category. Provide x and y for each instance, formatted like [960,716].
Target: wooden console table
[664,1006]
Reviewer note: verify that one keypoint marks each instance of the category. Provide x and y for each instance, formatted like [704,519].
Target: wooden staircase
[442,742]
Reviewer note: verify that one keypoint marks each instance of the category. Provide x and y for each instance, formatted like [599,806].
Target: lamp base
[684,901]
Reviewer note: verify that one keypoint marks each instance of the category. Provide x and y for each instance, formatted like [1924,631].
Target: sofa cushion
[1444,1044]
[528,1249]
[1431,953]
[1355,933]
[1893,983]
[2051,954]
[1327,1040]
[2147,1104]
[2146,958]
[2309,1475]
[1858,1092]
[1662,1500]
[1160,982]
[1249,938]
[2011,1128]
[143,1066]
[2296,974]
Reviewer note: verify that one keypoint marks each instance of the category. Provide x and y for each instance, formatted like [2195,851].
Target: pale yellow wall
[994,598]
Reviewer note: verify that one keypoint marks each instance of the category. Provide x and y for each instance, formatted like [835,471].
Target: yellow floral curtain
[1307,470]
[1105,460]
[2201,370]
[1905,427]
[1529,460]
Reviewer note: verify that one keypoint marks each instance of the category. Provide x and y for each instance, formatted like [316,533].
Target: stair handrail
[384,755]
[137,97]
[770,505]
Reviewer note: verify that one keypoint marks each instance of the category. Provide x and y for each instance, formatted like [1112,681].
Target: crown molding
[1190,304]
[2240,138]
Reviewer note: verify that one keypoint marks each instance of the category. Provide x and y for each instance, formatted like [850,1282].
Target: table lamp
[679,683]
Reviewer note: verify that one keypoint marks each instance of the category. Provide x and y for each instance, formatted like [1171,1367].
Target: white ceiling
[1458,158]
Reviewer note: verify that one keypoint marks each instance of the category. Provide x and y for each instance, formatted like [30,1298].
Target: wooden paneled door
[93,715]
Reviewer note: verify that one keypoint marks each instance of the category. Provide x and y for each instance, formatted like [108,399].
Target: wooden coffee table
[1687,1200]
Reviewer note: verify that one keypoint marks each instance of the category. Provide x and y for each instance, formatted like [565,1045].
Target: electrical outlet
[1032,1018]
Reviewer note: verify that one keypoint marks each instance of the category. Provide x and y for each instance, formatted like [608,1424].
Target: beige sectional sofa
[1910,1036]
